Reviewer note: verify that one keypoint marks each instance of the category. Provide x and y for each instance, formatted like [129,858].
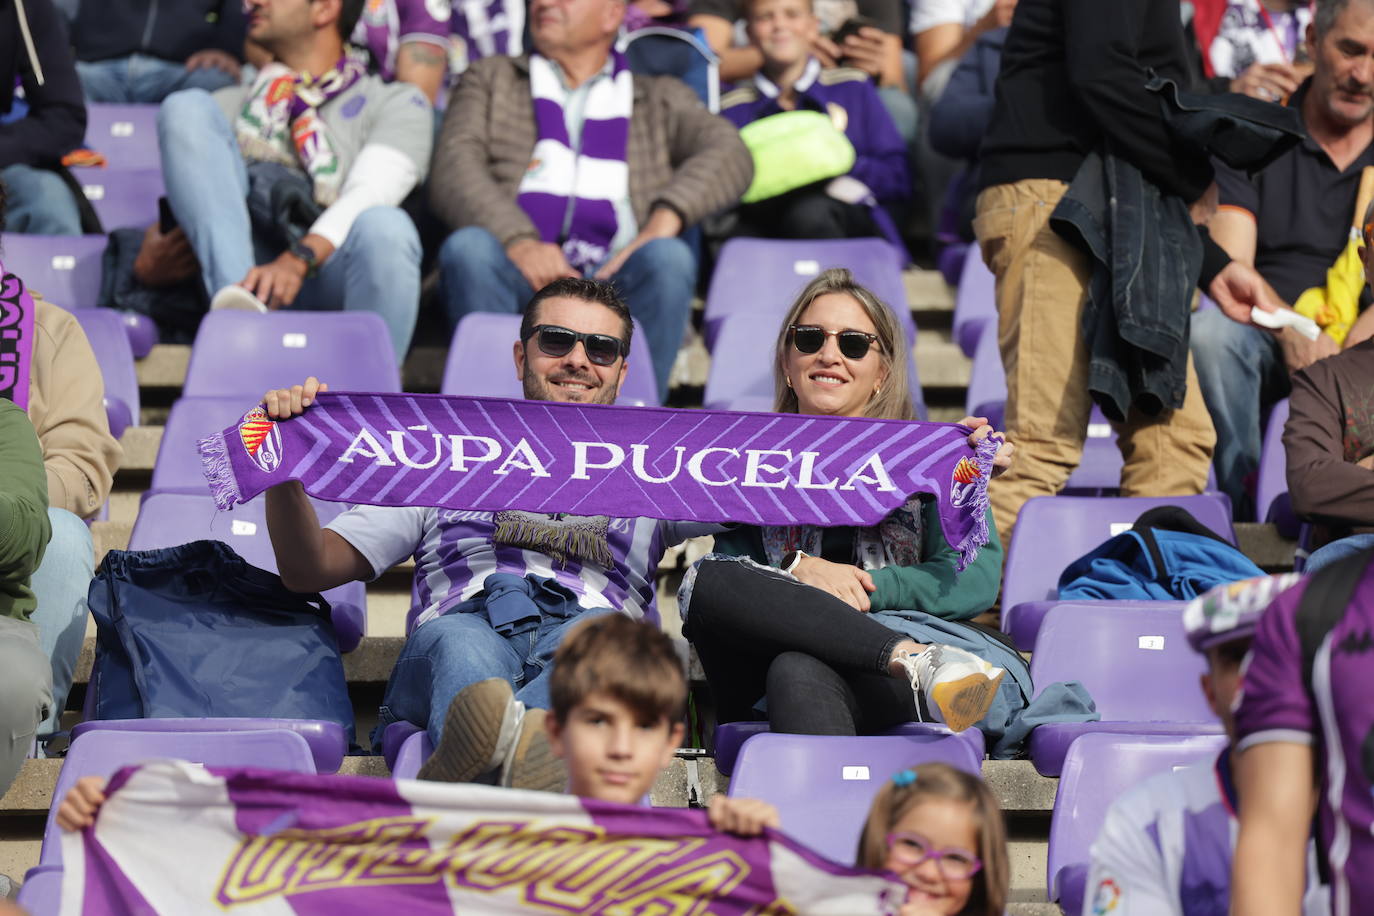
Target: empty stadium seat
[170,519]
[246,353]
[102,752]
[327,741]
[1053,531]
[665,51]
[823,785]
[741,375]
[730,737]
[125,134]
[764,276]
[41,894]
[1134,661]
[480,363]
[64,268]
[975,304]
[412,751]
[1097,771]
[123,198]
[105,330]
[178,468]
[1271,486]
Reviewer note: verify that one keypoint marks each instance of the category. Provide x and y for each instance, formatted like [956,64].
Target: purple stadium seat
[411,755]
[975,304]
[730,737]
[764,276]
[100,752]
[950,261]
[1097,770]
[247,353]
[1030,580]
[41,894]
[987,382]
[178,467]
[123,198]
[741,375]
[822,785]
[1134,661]
[125,134]
[64,268]
[394,737]
[1271,488]
[327,741]
[105,330]
[169,519]
[480,364]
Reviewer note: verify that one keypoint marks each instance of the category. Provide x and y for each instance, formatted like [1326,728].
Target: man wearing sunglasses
[496,591]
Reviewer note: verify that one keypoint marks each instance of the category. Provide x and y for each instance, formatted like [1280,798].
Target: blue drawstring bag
[195,631]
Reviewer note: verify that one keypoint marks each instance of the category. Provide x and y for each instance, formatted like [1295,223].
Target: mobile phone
[852,26]
[166,220]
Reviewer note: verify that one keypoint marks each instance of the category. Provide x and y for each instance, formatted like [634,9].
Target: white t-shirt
[926,14]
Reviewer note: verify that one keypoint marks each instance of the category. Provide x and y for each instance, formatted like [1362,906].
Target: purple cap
[1231,611]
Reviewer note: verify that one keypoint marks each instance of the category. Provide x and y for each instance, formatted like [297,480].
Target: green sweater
[932,585]
[24,525]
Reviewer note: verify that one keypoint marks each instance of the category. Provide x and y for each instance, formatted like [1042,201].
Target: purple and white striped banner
[16,339]
[174,838]
[495,454]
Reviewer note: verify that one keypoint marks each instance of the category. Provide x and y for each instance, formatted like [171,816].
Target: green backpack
[793,149]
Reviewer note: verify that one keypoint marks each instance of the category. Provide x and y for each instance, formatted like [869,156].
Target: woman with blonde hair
[820,621]
[941,831]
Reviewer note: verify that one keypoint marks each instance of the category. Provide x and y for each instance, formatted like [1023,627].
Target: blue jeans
[141,78]
[450,652]
[656,281]
[377,268]
[39,202]
[1337,550]
[1240,369]
[61,583]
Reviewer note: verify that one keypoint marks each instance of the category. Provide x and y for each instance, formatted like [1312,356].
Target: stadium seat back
[741,374]
[1272,503]
[975,304]
[328,741]
[764,276]
[178,467]
[110,340]
[125,134]
[246,353]
[1053,531]
[64,268]
[730,737]
[123,198]
[823,785]
[661,51]
[1097,771]
[480,363]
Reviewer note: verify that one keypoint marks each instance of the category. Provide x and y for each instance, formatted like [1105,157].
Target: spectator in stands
[1291,222]
[310,177]
[142,51]
[1304,730]
[1068,49]
[792,79]
[941,830]
[494,602]
[507,176]
[25,677]
[943,30]
[865,36]
[485,29]
[41,125]
[1166,846]
[828,623]
[407,40]
[1255,47]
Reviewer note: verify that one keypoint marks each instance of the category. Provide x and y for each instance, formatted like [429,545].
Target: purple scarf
[16,339]
[493,454]
[570,192]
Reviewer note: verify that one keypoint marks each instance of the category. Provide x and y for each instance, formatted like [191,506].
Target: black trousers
[821,664]
[806,213]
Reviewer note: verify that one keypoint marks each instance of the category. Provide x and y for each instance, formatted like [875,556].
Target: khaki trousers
[1042,283]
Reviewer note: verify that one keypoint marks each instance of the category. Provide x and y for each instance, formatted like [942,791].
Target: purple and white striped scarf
[489,27]
[16,339]
[570,193]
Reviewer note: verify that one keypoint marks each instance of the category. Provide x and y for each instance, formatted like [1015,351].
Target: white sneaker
[236,297]
[956,686]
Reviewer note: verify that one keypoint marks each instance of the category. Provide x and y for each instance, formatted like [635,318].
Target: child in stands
[941,831]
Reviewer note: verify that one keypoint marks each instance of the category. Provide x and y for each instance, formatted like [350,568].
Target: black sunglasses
[602,349]
[808,338]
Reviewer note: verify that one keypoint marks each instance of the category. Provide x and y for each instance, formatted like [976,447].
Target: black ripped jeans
[821,664]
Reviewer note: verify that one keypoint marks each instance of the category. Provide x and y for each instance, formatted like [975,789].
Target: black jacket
[169,29]
[56,120]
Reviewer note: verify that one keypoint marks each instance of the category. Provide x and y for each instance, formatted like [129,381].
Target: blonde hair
[893,400]
[942,781]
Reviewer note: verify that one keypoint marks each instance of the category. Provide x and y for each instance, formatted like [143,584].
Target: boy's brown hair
[625,658]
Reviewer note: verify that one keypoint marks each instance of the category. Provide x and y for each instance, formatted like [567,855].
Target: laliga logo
[261,439]
[963,482]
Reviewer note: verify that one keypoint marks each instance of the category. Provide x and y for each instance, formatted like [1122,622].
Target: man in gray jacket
[561,163]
